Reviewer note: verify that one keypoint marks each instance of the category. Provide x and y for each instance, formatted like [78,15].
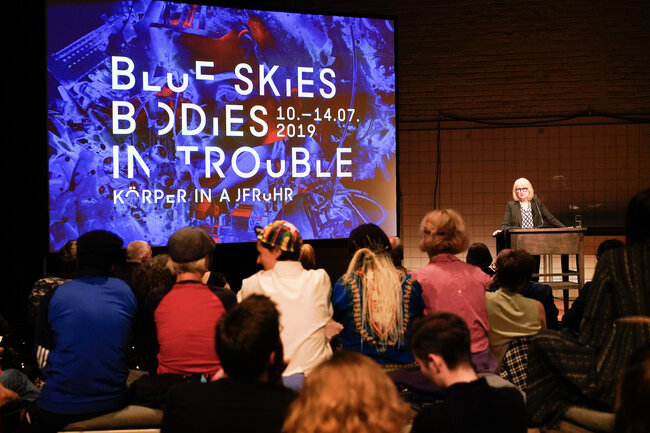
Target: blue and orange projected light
[165,115]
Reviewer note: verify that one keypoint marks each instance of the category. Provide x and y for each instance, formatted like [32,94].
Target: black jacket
[541,215]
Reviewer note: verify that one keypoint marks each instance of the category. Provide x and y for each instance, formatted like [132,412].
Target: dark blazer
[541,215]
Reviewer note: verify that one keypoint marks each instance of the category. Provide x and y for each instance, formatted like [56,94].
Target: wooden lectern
[554,241]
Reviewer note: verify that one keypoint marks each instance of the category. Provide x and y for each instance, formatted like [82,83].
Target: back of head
[348,393]
[632,415]
[98,251]
[155,274]
[188,249]
[307,256]
[138,252]
[68,259]
[443,231]
[637,229]
[246,337]
[283,235]
[443,334]
[514,269]
[380,284]
[368,236]
[606,245]
[479,255]
[397,250]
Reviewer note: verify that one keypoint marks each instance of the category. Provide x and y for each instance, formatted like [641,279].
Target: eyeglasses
[521,189]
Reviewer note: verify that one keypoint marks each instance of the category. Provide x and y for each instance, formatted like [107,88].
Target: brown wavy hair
[443,231]
[350,393]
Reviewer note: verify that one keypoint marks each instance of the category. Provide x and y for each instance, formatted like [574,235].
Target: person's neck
[189,276]
[461,374]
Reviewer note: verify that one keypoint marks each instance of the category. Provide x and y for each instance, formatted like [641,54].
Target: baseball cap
[189,244]
[281,234]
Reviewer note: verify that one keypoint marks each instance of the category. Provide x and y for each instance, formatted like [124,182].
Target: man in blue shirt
[83,335]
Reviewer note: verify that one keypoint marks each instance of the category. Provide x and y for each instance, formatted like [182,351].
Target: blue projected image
[165,115]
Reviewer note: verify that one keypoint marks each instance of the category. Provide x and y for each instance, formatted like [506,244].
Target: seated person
[307,257]
[572,318]
[511,314]
[250,397]
[83,335]
[441,344]
[301,296]
[216,279]
[451,285]
[397,253]
[478,254]
[544,294]
[564,370]
[348,393]
[138,254]
[185,315]
[67,257]
[374,301]
[16,385]
[155,274]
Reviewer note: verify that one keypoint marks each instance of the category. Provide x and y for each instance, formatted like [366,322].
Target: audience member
[155,274]
[511,314]
[82,336]
[307,257]
[397,252]
[544,294]
[216,279]
[185,314]
[534,290]
[16,385]
[302,297]
[449,284]
[138,254]
[565,371]
[632,414]
[250,398]
[441,344]
[348,394]
[572,318]
[478,254]
[67,256]
[374,301]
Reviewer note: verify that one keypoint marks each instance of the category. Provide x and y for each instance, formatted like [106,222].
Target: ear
[276,251]
[436,361]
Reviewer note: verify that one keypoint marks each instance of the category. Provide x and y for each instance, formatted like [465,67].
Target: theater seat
[131,418]
[583,420]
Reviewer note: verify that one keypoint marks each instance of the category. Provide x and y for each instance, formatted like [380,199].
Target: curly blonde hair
[443,231]
[348,394]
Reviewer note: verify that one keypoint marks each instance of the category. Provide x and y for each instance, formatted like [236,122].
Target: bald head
[138,252]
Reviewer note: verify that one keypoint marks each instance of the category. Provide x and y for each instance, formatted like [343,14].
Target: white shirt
[303,300]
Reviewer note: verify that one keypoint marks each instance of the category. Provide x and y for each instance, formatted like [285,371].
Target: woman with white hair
[526,210]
